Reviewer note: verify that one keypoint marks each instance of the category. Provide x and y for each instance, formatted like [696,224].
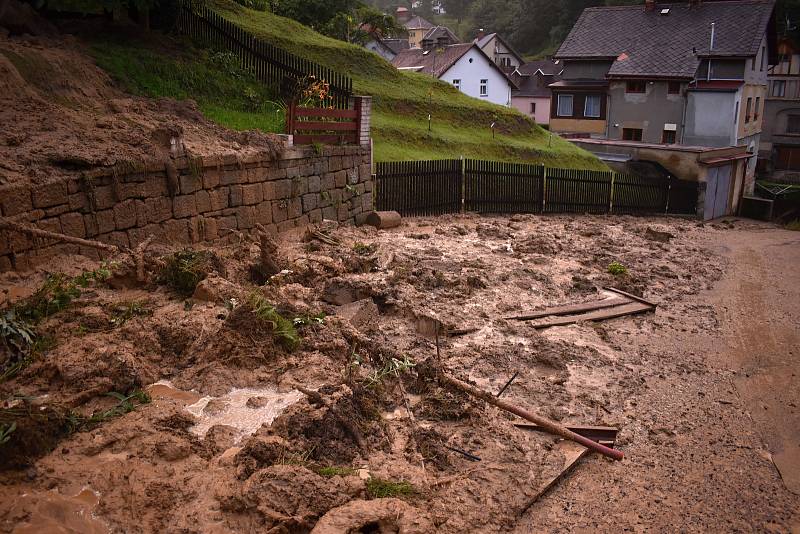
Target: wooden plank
[598,315]
[325,126]
[630,296]
[572,308]
[325,139]
[601,434]
[322,112]
[573,453]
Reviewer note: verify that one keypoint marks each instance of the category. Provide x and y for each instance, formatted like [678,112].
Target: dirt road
[719,448]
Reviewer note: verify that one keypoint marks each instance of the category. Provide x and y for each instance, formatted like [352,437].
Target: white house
[465,66]
[499,51]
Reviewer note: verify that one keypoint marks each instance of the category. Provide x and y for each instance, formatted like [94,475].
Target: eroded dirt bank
[368,451]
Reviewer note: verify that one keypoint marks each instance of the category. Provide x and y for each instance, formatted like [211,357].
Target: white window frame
[457,84]
[775,85]
[484,88]
[559,111]
[586,107]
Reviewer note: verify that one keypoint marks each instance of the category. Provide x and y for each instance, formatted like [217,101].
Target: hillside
[403,100]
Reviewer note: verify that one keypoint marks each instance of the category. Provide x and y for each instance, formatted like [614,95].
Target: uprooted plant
[378,488]
[394,367]
[125,404]
[283,329]
[185,269]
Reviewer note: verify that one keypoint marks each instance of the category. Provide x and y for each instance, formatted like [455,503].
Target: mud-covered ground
[349,430]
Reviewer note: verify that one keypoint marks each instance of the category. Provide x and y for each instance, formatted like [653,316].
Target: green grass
[402,102]
[159,67]
[377,488]
[330,472]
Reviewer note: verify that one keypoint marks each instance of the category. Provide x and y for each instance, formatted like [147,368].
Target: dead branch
[6,224]
[138,255]
[546,424]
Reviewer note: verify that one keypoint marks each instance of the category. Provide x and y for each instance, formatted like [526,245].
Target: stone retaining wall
[188,200]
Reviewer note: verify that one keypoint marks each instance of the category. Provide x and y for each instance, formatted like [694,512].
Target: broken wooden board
[606,435]
[620,305]
[573,453]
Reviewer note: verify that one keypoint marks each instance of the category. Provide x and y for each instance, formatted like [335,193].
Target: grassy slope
[403,101]
[163,68]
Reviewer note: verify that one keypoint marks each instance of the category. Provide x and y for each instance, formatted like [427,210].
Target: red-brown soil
[681,384]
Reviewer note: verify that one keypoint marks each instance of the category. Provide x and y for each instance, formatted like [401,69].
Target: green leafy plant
[58,292]
[318,147]
[125,311]
[6,431]
[125,404]
[794,225]
[282,328]
[617,269]
[378,488]
[185,269]
[309,320]
[393,367]
[16,335]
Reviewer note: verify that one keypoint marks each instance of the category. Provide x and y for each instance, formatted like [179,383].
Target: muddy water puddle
[53,513]
[244,409]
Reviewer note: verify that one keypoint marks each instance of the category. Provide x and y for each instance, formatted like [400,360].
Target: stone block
[211,178]
[78,202]
[125,215]
[264,213]
[285,226]
[184,206]
[314,184]
[15,200]
[310,202]
[299,186]
[283,189]
[219,198]
[105,221]
[229,177]
[190,183]
[366,202]
[155,186]
[280,210]
[320,166]
[295,208]
[235,196]
[252,194]
[210,229]
[268,191]
[72,224]
[368,186]
[246,217]
[202,200]
[340,179]
[293,172]
[158,209]
[119,239]
[329,213]
[343,213]
[226,223]
[352,176]
[104,197]
[49,195]
[176,231]
[364,173]
[327,182]
[315,216]
[276,174]
[55,211]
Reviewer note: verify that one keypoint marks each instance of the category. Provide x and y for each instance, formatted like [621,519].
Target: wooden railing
[283,71]
[323,125]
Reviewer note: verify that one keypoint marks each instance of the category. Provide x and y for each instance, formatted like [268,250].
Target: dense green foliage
[160,67]
[460,125]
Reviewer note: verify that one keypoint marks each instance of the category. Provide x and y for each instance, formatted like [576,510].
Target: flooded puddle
[164,389]
[53,513]
[243,409]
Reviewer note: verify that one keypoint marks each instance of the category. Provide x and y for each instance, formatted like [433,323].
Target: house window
[793,124]
[779,88]
[592,106]
[674,88]
[484,87]
[631,134]
[565,105]
[758,108]
[457,84]
[736,114]
[668,137]
[748,110]
[533,108]
[636,87]
[763,57]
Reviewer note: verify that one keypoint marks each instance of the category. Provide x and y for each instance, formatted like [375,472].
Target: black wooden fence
[280,70]
[452,186]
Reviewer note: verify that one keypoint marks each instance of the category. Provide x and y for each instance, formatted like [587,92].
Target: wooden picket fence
[279,69]
[455,186]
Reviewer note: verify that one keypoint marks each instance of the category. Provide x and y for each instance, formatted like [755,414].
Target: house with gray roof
[532,95]
[465,66]
[689,73]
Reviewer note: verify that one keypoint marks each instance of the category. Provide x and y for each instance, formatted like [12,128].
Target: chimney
[649,5]
[481,34]
[402,15]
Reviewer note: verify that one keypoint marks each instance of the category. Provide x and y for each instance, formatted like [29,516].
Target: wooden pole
[547,425]
[6,224]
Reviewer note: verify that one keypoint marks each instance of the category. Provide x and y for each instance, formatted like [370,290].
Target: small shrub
[377,488]
[794,225]
[6,431]
[185,269]
[393,367]
[363,249]
[282,328]
[57,293]
[126,404]
[617,269]
[125,311]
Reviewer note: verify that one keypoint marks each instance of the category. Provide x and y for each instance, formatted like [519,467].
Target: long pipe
[547,425]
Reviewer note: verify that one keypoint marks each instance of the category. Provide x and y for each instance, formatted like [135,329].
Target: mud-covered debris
[379,516]
[361,314]
[30,431]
